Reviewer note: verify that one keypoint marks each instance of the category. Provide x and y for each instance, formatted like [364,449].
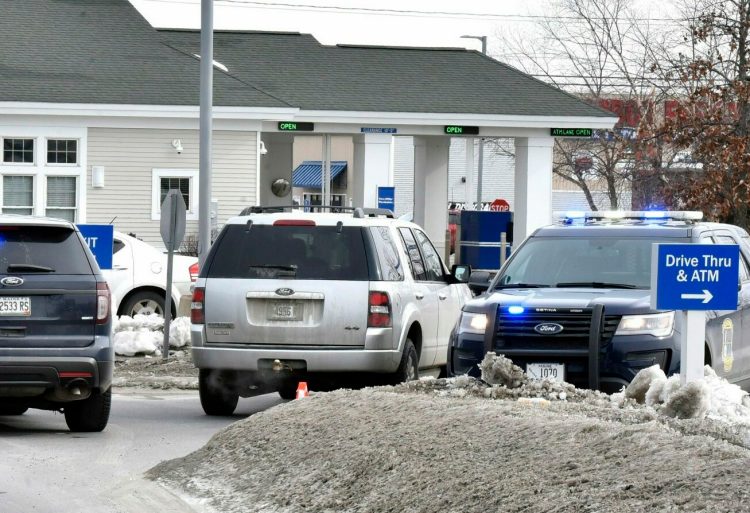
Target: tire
[288,391]
[144,303]
[12,410]
[91,414]
[217,398]
[408,369]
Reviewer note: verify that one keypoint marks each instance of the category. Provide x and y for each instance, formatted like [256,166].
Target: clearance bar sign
[571,132]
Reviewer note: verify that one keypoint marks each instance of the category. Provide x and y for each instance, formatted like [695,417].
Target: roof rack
[357,212]
[569,217]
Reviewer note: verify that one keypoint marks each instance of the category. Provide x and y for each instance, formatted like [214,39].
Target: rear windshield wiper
[520,286]
[597,285]
[283,270]
[29,268]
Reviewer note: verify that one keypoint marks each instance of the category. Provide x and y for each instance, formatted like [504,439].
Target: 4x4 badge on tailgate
[284,291]
[548,328]
[11,281]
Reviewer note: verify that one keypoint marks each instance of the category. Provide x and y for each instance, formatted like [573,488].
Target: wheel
[216,393]
[144,303]
[288,390]
[13,410]
[91,414]
[408,369]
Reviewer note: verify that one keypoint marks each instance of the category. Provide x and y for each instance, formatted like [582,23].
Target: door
[47,288]
[425,296]
[120,277]
[448,309]
[291,284]
[733,361]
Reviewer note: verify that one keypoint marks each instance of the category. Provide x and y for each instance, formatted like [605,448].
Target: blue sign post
[693,278]
[387,198]
[100,239]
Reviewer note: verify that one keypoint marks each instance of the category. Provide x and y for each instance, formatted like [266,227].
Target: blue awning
[308,174]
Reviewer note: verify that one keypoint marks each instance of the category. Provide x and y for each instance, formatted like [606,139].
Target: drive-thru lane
[46,469]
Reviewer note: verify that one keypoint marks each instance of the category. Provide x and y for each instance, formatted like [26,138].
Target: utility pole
[206,126]
[480,163]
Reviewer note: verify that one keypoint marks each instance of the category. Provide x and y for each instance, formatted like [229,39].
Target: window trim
[443,278]
[20,164]
[62,164]
[157,174]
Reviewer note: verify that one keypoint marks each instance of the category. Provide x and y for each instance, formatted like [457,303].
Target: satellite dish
[281,187]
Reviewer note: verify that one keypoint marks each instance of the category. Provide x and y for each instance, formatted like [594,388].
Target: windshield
[582,262]
[291,252]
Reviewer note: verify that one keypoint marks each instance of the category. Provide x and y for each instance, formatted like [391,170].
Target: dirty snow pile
[144,334]
[503,443]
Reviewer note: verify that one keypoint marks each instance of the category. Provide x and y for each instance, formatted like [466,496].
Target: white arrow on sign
[706,296]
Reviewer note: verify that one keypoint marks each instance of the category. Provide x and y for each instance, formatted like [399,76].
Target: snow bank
[144,334]
[714,396]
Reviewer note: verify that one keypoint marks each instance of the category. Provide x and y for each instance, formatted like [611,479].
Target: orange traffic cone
[302,390]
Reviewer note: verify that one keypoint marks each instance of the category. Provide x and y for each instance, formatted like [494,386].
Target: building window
[184,180]
[181,184]
[62,151]
[62,197]
[18,195]
[18,151]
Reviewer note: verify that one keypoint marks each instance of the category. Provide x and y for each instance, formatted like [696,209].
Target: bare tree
[600,51]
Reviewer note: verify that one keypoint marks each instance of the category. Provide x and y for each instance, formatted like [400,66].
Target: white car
[138,278]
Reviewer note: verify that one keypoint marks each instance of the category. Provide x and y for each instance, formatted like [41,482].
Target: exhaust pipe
[78,388]
[75,390]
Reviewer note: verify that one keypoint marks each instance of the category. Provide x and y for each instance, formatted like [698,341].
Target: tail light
[379,315]
[294,222]
[197,313]
[194,271]
[103,301]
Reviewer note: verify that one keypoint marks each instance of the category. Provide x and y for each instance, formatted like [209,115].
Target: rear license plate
[551,371]
[15,306]
[284,311]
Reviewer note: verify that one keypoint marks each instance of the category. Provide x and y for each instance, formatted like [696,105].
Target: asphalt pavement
[46,469]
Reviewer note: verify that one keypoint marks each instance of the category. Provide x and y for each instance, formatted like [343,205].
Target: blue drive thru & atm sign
[387,198]
[695,276]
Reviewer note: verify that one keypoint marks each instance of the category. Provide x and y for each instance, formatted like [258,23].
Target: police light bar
[680,215]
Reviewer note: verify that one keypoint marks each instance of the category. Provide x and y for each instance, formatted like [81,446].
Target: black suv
[572,303]
[55,345]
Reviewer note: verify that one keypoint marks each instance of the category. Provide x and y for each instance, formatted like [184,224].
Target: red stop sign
[500,205]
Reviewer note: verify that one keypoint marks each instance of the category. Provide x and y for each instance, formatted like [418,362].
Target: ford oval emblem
[11,281]
[284,291]
[548,328]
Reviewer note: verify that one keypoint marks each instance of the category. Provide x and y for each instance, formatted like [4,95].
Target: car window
[299,252]
[117,245]
[47,247]
[390,263]
[433,266]
[726,239]
[415,257]
[549,261]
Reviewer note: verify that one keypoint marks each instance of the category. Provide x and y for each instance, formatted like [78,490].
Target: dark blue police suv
[56,351]
[573,303]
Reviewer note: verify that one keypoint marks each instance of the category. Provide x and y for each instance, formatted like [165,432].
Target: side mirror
[461,273]
[479,281]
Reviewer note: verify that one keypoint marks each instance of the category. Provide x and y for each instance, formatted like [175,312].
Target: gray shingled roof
[100,51]
[385,79]
[104,51]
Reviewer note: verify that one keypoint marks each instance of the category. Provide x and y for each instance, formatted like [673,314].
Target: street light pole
[206,126]
[480,156]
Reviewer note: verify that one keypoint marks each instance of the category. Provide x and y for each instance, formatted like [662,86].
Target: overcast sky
[438,22]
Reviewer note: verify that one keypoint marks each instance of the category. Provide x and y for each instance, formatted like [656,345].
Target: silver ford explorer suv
[289,296]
